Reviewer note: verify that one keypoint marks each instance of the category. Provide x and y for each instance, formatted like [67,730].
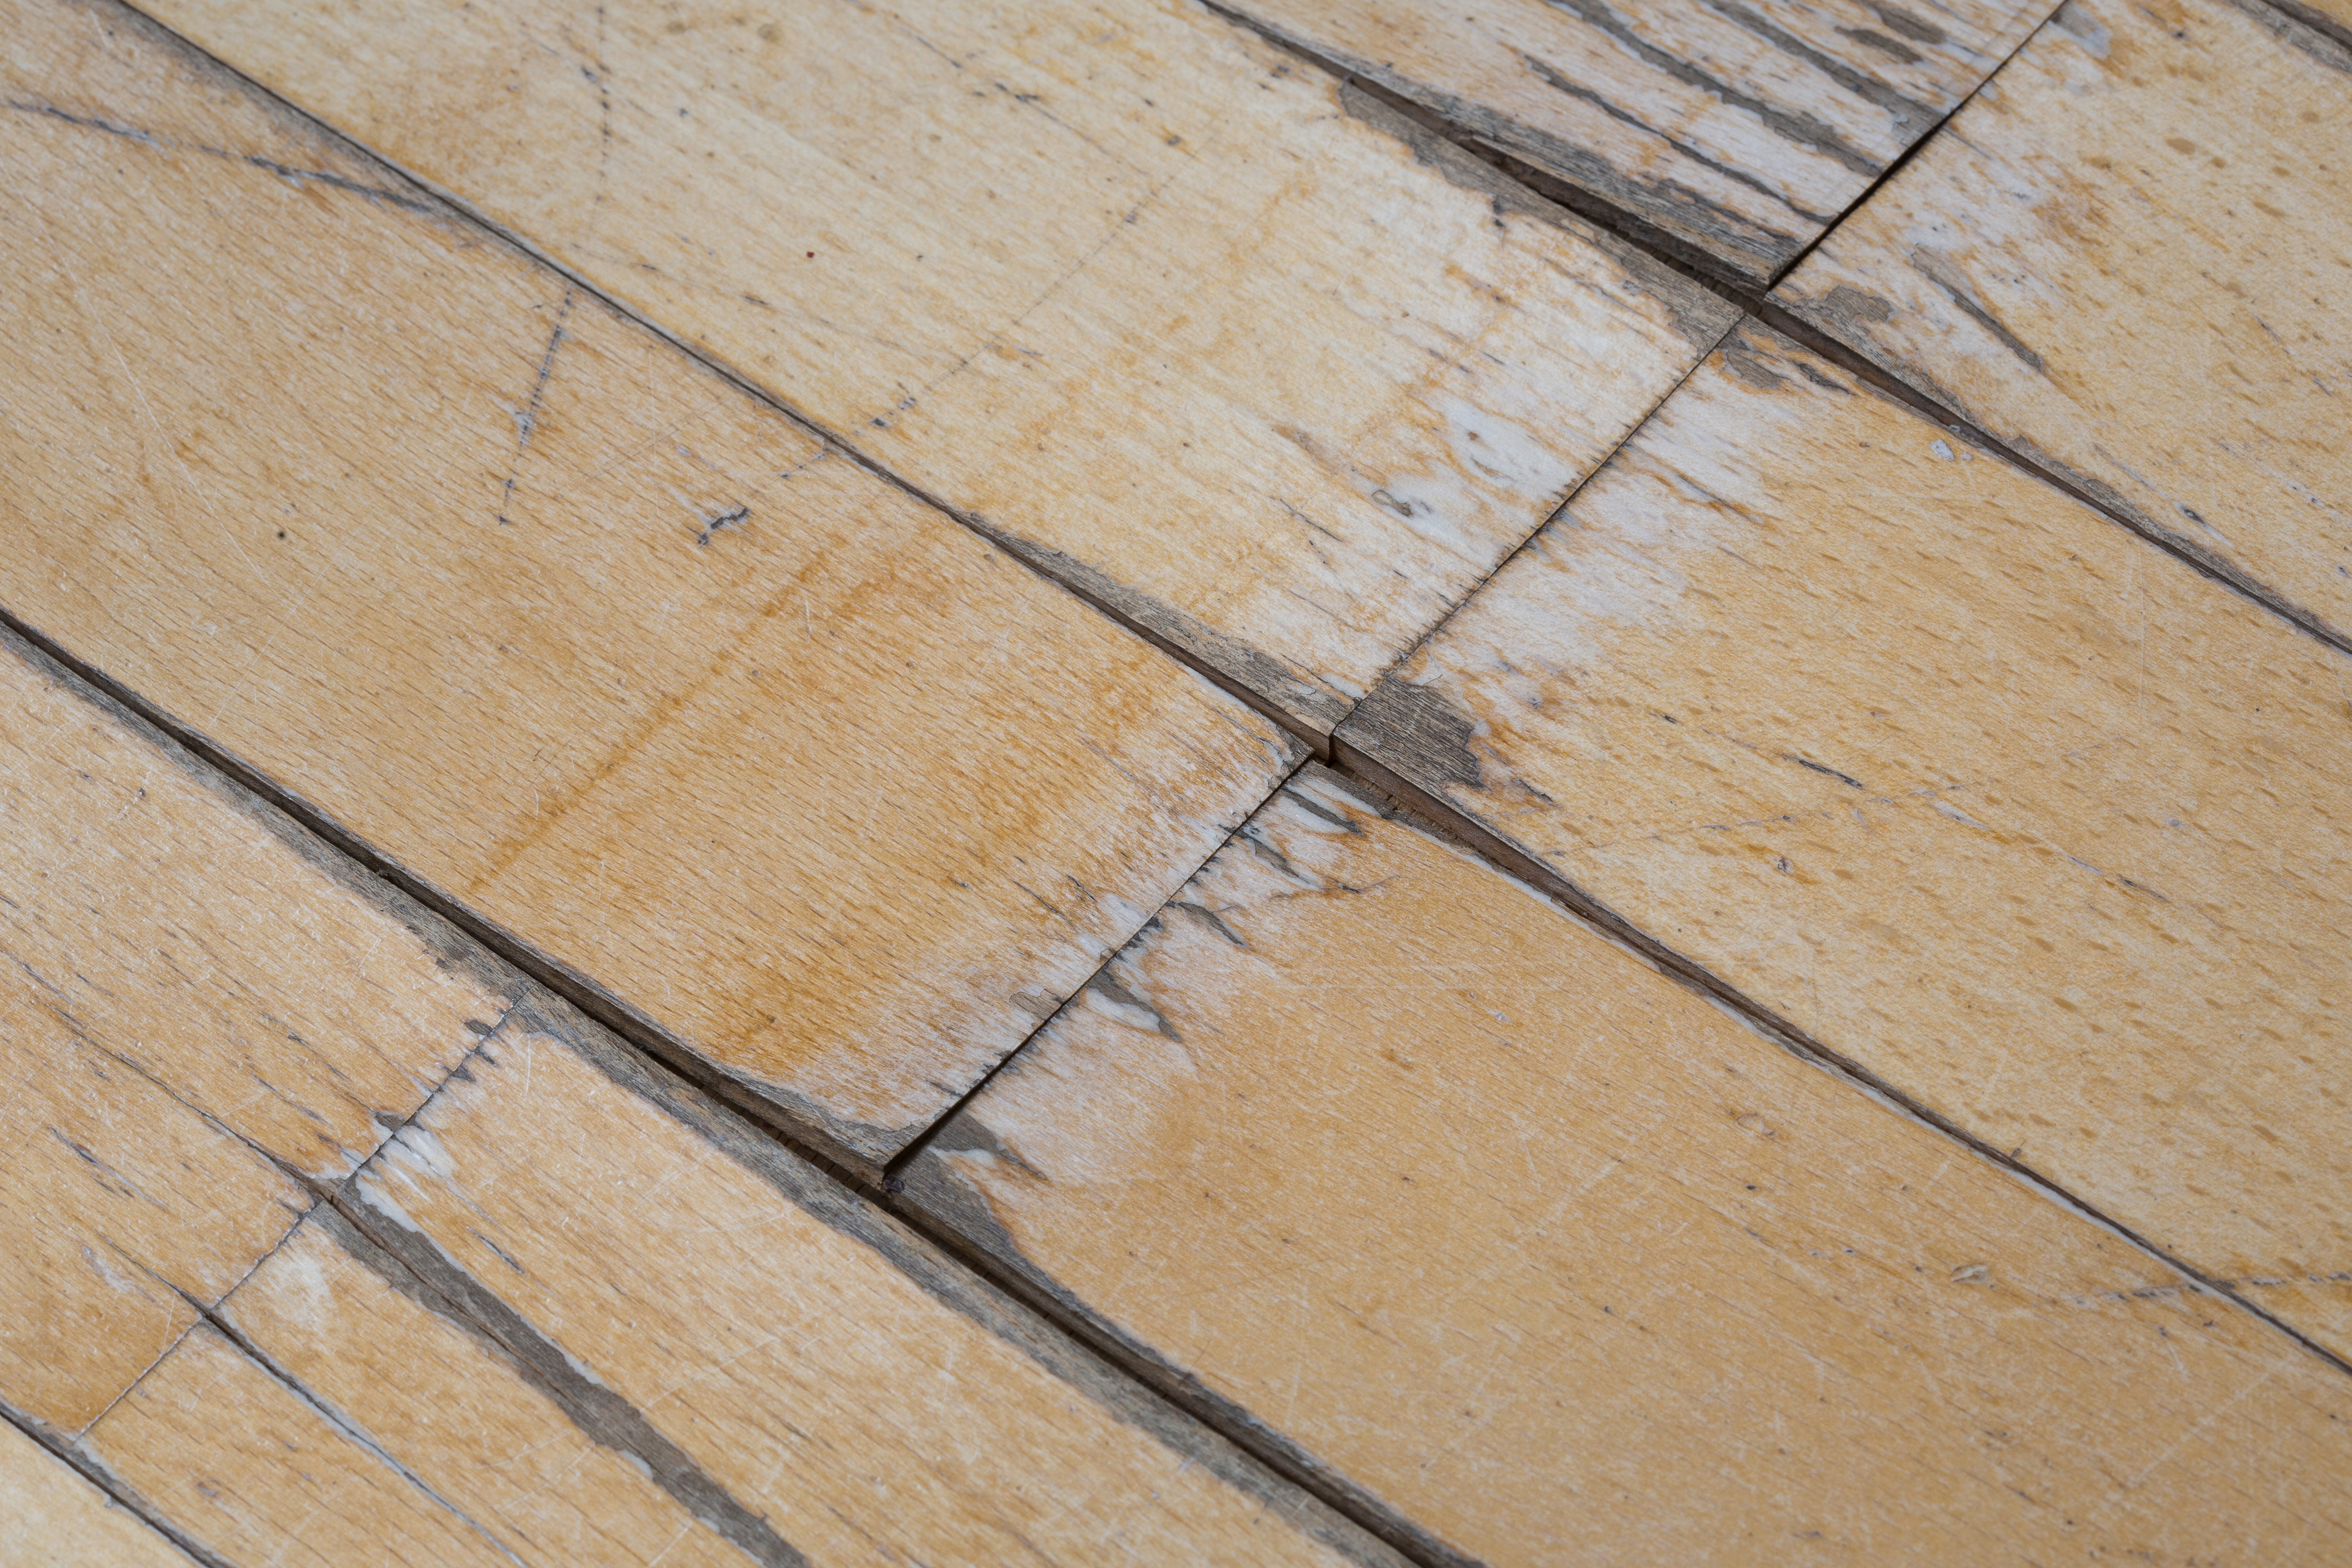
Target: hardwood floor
[1136,782]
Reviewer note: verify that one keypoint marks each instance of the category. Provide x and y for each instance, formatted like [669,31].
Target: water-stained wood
[1973,785]
[189,1011]
[52,1517]
[1163,309]
[1563,1261]
[1739,130]
[793,766]
[2130,260]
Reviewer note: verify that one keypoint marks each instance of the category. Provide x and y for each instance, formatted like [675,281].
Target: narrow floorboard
[1739,131]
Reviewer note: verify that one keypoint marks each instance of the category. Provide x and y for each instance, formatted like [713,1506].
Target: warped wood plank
[1740,131]
[792,765]
[2128,263]
[186,997]
[568,1310]
[1239,354]
[52,1518]
[1566,1263]
[1973,785]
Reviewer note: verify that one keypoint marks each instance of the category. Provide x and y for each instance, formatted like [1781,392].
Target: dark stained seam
[1791,125]
[1575,89]
[1911,116]
[148,139]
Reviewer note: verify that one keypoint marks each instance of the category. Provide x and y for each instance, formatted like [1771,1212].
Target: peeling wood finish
[791,766]
[51,1516]
[1742,129]
[2130,262]
[1564,1263]
[1974,787]
[1120,282]
[190,1016]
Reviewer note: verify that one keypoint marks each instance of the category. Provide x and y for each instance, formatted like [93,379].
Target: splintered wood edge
[824,1194]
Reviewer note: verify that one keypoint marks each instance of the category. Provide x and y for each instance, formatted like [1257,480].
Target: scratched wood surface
[1975,786]
[52,1518]
[576,1312]
[2129,263]
[1170,313]
[1742,132]
[189,1011]
[1563,1261]
[793,766]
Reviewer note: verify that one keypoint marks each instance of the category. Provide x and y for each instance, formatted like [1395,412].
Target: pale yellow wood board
[453,1411]
[2129,259]
[837,794]
[183,999]
[254,1472]
[1152,299]
[52,1518]
[1741,130]
[1568,1264]
[867,1413]
[1971,783]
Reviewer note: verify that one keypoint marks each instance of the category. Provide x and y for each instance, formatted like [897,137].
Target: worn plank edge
[836,1197]
[120,1493]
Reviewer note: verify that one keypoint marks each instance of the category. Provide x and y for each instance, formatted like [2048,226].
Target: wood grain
[1740,131]
[190,1010]
[1970,783]
[1226,347]
[1567,1264]
[794,767]
[52,1518]
[810,1379]
[2129,263]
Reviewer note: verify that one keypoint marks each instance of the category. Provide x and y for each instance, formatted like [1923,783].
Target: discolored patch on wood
[1961,780]
[1518,1240]
[2124,261]
[1741,132]
[800,776]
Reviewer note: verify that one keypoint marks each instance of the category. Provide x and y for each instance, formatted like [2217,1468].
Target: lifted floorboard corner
[1974,787]
[2130,260]
[51,1515]
[814,780]
[579,1302]
[192,1015]
[1741,130]
[1172,314]
[1559,1259]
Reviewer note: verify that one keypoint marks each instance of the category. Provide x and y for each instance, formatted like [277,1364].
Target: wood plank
[1741,132]
[1235,350]
[804,1374]
[681,1313]
[1564,1261]
[794,767]
[1971,785]
[2128,263]
[52,1518]
[253,1472]
[191,1012]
